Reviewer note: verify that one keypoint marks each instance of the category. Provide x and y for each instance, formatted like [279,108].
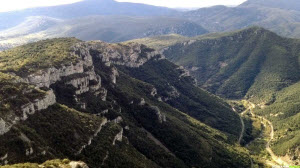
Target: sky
[10,5]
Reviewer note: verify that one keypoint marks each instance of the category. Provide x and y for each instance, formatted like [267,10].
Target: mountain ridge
[265,14]
[81,9]
[105,28]
[101,111]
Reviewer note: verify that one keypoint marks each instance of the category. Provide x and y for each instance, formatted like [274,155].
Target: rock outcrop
[27,109]
[4,126]
[114,75]
[153,92]
[85,82]
[131,54]
[118,137]
[172,93]
[160,117]
[37,105]
[142,102]
[75,164]
[3,159]
[46,77]
[104,122]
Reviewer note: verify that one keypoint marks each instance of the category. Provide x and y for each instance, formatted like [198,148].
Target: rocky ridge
[80,75]
[130,55]
[99,109]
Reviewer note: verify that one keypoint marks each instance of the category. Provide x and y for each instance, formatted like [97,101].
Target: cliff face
[27,106]
[38,105]
[48,76]
[130,55]
[89,106]
[81,75]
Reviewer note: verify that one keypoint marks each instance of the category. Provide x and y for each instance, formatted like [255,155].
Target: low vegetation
[285,116]
[32,57]
[65,163]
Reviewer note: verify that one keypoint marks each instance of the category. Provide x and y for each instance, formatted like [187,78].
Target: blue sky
[10,5]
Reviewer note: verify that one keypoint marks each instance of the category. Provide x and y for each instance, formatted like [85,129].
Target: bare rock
[39,104]
[160,117]
[79,164]
[114,75]
[142,102]
[118,137]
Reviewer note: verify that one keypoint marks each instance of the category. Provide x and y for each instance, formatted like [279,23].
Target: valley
[274,159]
[273,87]
[106,83]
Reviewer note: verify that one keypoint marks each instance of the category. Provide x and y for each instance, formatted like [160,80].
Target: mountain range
[82,9]
[101,20]
[279,16]
[106,28]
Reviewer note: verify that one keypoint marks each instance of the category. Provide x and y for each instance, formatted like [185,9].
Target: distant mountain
[281,4]
[31,24]
[105,28]
[81,9]
[282,17]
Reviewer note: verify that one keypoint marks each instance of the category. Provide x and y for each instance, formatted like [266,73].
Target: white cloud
[187,3]
[9,5]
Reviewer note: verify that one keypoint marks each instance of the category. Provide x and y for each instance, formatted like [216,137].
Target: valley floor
[260,147]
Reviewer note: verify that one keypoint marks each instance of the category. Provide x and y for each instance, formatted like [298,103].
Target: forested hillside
[108,107]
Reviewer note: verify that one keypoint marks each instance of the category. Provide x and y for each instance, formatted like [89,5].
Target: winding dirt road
[275,158]
[243,130]
[243,125]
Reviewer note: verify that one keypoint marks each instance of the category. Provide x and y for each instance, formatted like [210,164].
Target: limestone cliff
[79,74]
[11,118]
[38,104]
[130,54]
[86,104]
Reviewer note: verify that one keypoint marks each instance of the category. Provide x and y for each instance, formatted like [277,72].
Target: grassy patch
[32,57]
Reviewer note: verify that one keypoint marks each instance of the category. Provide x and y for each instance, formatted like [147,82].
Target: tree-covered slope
[93,108]
[285,116]
[160,42]
[178,90]
[253,62]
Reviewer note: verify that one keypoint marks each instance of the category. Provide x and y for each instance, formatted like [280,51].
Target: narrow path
[242,123]
[243,129]
[275,158]
[268,148]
